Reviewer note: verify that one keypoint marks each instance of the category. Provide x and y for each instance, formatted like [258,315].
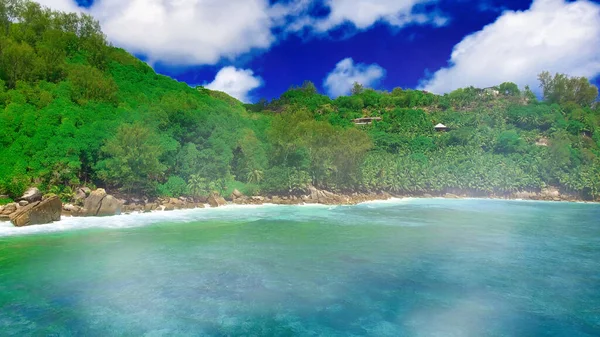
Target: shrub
[248,189]
[5,201]
[509,141]
[174,187]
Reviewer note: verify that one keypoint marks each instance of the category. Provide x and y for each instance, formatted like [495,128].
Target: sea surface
[409,267]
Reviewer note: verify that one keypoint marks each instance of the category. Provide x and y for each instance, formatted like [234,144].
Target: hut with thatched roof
[441,128]
[365,120]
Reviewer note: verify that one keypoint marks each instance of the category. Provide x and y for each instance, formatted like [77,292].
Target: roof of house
[441,126]
[368,118]
[365,120]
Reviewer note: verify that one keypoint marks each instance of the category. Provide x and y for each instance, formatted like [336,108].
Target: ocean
[403,267]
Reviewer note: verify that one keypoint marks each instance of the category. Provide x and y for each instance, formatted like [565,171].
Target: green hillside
[76,111]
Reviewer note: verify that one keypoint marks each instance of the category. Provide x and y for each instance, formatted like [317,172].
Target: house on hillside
[491,91]
[365,120]
[441,128]
[543,141]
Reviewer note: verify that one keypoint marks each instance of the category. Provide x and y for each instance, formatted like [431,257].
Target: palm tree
[255,176]
[67,194]
[197,185]
[217,187]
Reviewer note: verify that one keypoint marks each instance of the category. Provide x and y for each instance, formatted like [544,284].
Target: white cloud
[341,79]
[183,31]
[197,32]
[552,35]
[364,13]
[235,82]
[187,31]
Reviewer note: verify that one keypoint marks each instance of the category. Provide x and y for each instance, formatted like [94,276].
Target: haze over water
[415,267]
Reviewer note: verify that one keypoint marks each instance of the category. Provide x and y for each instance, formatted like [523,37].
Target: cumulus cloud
[183,31]
[197,32]
[187,31]
[552,35]
[346,73]
[235,82]
[364,13]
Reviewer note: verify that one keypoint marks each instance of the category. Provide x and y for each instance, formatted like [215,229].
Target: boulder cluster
[135,205]
[32,209]
[160,204]
[93,203]
[312,196]
[547,194]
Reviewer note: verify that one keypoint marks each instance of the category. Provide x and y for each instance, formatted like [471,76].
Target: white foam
[227,212]
[388,201]
[128,220]
[230,212]
[312,205]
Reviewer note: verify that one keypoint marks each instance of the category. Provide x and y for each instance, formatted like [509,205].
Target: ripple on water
[416,267]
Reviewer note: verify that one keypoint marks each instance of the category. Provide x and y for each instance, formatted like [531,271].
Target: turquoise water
[427,267]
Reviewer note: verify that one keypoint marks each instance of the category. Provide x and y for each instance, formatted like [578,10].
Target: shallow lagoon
[412,267]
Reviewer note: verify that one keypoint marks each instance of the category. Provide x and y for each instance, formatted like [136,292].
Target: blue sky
[259,48]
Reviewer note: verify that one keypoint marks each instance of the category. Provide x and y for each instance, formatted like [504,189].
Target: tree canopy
[75,110]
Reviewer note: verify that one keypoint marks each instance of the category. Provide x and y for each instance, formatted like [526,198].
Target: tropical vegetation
[76,111]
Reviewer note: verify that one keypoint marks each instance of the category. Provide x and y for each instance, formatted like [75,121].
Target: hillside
[75,111]
[500,140]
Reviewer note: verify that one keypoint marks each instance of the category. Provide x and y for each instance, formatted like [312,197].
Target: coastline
[259,201]
[132,205]
[226,213]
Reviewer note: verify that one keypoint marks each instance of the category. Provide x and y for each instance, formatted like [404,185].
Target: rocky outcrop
[94,201]
[160,204]
[6,211]
[99,203]
[109,206]
[550,193]
[81,194]
[314,196]
[149,207]
[9,209]
[170,204]
[526,195]
[72,210]
[237,193]
[177,203]
[325,197]
[31,195]
[216,201]
[38,213]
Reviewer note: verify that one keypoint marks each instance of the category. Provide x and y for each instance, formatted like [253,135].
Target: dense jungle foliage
[76,111]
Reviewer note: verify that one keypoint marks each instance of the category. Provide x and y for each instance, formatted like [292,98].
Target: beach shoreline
[377,198]
[224,213]
[131,205]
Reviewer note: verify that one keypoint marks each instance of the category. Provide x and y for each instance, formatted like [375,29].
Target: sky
[255,49]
